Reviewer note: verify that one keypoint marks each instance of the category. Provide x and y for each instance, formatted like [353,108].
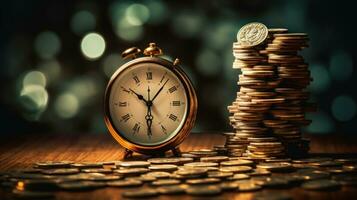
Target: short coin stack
[269,109]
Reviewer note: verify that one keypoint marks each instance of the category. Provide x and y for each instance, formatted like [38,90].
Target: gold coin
[237,163]
[191,171]
[248,187]
[85,165]
[124,183]
[134,164]
[252,34]
[276,166]
[201,164]
[214,159]
[131,171]
[64,171]
[165,182]
[159,174]
[200,181]
[218,174]
[236,169]
[53,164]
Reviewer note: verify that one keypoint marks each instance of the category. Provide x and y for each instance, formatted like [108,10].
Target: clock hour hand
[140,97]
[158,92]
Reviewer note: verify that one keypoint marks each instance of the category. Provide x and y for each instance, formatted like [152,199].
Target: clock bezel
[189,121]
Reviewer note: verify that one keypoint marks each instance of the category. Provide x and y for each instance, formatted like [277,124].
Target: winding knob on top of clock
[152,50]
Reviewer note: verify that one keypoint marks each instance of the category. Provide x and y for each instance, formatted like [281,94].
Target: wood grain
[22,151]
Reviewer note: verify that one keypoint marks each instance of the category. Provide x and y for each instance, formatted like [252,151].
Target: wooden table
[22,151]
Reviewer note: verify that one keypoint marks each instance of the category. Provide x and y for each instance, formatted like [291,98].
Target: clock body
[150,105]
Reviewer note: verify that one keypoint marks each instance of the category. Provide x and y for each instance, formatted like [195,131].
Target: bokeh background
[57,56]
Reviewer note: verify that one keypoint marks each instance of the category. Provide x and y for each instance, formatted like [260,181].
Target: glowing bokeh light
[34,78]
[137,14]
[341,66]
[47,45]
[67,105]
[344,108]
[34,100]
[85,88]
[82,22]
[93,46]
[127,31]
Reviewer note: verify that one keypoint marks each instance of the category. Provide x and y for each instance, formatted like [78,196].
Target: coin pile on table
[200,176]
[270,107]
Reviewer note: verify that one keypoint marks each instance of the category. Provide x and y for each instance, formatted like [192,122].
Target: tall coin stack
[270,107]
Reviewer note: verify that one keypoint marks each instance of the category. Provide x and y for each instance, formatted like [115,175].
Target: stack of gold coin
[293,71]
[269,109]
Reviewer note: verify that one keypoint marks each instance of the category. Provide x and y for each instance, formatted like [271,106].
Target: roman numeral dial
[148,104]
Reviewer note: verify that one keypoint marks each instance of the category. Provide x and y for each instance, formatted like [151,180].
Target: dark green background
[40,40]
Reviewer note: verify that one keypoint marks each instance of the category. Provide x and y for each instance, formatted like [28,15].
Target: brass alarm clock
[150,104]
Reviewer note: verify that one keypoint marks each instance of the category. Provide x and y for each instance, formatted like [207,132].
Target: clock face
[147,104]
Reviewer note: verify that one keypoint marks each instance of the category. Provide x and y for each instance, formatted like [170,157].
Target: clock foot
[176,151]
[128,153]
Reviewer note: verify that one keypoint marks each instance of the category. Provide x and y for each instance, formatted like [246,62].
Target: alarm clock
[150,103]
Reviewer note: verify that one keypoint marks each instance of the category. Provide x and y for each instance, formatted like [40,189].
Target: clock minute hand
[149,116]
[158,92]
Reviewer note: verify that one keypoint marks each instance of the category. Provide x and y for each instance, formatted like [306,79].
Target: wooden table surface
[24,150]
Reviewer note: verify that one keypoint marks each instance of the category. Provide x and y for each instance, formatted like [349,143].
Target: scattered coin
[53,164]
[275,166]
[175,161]
[124,183]
[162,182]
[135,164]
[159,174]
[236,169]
[85,165]
[64,171]
[218,174]
[201,181]
[237,163]
[214,159]
[163,167]
[201,164]
[131,171]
